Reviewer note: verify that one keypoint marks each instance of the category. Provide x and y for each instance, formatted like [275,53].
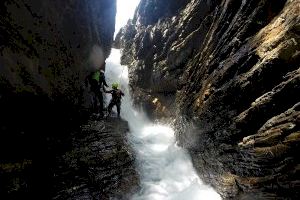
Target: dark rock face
[46,48]
[228,71]
[95,162]
[99,165]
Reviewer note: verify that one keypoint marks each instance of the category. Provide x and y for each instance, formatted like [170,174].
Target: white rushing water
[166,169]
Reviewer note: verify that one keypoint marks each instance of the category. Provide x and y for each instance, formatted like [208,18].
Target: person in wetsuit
[116,95]
[97,81]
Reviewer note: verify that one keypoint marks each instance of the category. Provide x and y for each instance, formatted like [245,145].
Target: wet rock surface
[46,50]
[95,162]
[228,73]
[100,164]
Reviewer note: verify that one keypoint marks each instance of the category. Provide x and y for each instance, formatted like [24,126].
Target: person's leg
[100,98]
[118,108]
[94,102]
[109,108]
[94,94]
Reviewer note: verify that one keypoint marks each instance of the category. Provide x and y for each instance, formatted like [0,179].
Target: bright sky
[125,10]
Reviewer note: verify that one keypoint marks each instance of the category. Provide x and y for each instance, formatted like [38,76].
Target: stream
[166,169]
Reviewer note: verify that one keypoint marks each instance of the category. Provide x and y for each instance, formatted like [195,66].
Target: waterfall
[166,170]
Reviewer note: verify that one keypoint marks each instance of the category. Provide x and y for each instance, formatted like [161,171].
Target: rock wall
[99,164]
[46,46]
[228,72]
[95,162]
[46,49]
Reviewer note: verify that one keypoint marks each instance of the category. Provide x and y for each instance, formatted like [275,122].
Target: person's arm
[103,88]
[122,93]
[108,91]
[104,82]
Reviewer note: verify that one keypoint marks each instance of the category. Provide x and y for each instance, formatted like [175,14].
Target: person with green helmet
[116,96]
[97,81]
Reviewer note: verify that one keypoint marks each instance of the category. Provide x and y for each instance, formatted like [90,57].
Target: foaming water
[166,170]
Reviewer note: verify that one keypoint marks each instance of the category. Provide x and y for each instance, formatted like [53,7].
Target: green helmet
[115,86]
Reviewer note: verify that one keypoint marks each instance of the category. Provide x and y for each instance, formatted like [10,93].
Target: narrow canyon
[211,107]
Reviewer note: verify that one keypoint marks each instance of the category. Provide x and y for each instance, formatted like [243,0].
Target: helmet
[115,86]
[102,71]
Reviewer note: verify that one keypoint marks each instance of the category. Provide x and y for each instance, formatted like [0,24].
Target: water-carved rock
[228,72]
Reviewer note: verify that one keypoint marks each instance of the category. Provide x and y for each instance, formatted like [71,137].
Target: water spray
[166,170]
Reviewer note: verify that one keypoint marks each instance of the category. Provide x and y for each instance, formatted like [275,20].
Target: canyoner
[116,97]
[97,82]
